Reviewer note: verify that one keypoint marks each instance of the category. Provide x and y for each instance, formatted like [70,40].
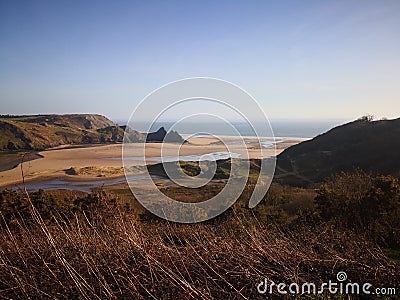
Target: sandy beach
[105,161]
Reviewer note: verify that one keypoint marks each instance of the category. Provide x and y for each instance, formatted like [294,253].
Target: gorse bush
[16,207]
[364,204]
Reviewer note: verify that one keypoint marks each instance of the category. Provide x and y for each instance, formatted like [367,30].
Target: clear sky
[299,59]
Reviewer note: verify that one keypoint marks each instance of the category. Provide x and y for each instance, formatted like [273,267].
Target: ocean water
[301,129]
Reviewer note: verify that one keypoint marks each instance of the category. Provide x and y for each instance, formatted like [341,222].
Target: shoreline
[104,162]
[13,160]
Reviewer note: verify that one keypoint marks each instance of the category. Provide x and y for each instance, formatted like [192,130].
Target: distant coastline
[281,128]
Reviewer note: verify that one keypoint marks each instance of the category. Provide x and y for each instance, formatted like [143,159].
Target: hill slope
[362,144]
[44,131]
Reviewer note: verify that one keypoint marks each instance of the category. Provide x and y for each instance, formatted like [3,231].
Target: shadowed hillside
[371,146]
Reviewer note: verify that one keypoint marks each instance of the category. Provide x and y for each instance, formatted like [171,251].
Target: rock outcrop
[161,135]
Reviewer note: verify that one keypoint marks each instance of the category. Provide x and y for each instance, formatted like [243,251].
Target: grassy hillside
[44,131]
[371,146]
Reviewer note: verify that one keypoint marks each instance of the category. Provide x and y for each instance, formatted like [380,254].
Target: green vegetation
[393,254]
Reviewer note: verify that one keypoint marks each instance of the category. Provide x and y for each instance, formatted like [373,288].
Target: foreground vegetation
[104,245]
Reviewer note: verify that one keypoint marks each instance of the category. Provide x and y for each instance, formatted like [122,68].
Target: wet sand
[104,161]
[10,160]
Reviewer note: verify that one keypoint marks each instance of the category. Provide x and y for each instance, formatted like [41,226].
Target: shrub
[364,204]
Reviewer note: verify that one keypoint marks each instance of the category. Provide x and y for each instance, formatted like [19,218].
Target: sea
[295,129]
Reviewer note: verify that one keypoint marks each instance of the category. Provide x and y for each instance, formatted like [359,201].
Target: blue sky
[299,59]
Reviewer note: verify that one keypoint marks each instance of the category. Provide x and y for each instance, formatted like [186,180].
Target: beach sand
[104,161]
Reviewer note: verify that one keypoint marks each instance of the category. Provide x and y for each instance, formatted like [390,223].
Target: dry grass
[106,252]
[96,171]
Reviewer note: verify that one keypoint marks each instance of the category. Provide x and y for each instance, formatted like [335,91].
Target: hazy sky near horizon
[299,59]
